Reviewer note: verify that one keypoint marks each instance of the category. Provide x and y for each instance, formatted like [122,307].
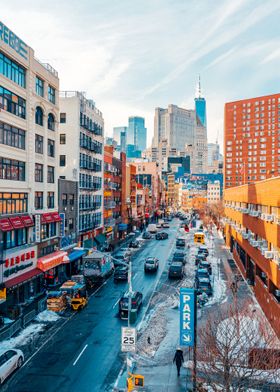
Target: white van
[152,228]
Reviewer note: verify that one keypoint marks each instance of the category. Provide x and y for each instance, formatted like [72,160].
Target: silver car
[10,360]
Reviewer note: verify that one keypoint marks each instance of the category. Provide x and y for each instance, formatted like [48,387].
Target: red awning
[27,220]
[52,260]
[18,280]
[5,224]
[56,217]
[16,222]
[46,218]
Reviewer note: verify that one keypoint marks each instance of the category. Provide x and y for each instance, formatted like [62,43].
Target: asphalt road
[85,354]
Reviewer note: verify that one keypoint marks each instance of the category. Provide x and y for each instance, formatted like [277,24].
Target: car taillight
[133,302]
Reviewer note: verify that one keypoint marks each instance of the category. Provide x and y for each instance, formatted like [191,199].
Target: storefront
[54,268]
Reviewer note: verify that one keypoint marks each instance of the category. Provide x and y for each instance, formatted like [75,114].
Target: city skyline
[106,62]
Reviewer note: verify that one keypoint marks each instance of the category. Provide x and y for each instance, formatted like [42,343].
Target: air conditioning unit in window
[254,243]
[245,210]
[269,218]
[276,257]
[277,220]
[268,254]
[263,216]
[245,236]
[264,250]
[277,293]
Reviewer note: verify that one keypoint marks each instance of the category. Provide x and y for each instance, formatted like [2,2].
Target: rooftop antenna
[198,88]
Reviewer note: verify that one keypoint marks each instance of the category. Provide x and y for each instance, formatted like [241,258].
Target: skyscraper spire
[198,93]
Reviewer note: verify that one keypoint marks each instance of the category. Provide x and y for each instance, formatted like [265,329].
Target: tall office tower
[81,156]
[251,149]
[123,141]
[175,125]
[137,133]
[117,133]
[200,148]
[200,105]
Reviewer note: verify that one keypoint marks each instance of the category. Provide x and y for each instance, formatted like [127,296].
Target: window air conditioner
[269,218]
[277,293]
[268,254]
[254,243]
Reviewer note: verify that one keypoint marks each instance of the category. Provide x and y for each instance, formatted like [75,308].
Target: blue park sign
[187,317]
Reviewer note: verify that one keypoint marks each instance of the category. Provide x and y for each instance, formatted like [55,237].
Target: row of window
[40,88]
[87,181]
[90,125]
[89,221]
[39,118]
[13,203]
[68,199]
[14,238]
[90,202]
[10,169]
[39,200]
[12,70]
[39,173]
[89,144]
[12,103]
[12,136]
[39,146]
[90,163]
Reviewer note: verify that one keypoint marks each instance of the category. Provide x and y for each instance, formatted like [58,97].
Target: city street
[85,354]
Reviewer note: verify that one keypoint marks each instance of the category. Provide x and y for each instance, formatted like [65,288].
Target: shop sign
[62,224]
[13,41]
[37,228]
[17,261]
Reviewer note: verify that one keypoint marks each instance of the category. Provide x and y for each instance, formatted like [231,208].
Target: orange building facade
[253,235]
[251,146]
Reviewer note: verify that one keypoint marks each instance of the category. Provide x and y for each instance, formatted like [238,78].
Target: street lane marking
[79,356]
[116,303]
[135,275]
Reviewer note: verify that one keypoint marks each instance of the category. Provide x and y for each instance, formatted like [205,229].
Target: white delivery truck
[152,228]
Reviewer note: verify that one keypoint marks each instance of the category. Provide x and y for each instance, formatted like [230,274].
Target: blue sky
[133,56]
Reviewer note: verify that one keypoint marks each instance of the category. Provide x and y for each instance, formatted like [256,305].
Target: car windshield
[174,268]
[150,261]
[204,284]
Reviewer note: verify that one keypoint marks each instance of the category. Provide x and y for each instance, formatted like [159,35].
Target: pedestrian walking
[179,360]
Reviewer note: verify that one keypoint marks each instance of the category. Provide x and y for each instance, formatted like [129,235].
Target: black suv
[146,235]
[161,236]
[179,256]
[205,265]
[176,270]
[180,243]
[136,303]
[121,273]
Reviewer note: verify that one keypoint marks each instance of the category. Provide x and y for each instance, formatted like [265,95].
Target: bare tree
[237,351]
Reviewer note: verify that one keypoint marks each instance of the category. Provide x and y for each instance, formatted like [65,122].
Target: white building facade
[81,152]
[213,192]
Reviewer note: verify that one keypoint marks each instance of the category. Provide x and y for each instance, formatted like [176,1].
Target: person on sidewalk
[179,359]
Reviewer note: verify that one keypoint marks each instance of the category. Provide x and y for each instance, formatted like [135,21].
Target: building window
[39,86]
[48,230]
[71,224]
[12,70]
[12,136]
[64,199]
[38,201]
[51,122]
[50,174]
[12,103]
[51,94]
[62,160]
[11,169]
[15,238]
[50,200]
[71,199]
[51,148]
[62,138]
[39,116]
[39,144]
[39,174]
[62,118]
[12,203]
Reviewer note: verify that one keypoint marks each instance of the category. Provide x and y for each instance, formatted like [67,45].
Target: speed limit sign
[128,339]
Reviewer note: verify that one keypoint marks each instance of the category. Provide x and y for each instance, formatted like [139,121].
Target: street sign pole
[195,343]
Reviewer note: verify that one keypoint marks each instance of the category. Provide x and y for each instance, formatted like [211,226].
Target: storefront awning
[45,263]
[27,220]
[56,217]
[46,218]
[16,222]
[5,225]
[76,254]
[19,280]
[100,239]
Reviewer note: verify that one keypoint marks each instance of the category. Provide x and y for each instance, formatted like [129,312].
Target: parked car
[122,257]
[10,360]
[203,250]
[121,273]
[152,228]
[151,264]
[200,257]
[161,236]
[179,256]
[202,273]
[205,265]
[134,244]
[146,235]
[204,285]
[136,303]
[165,225]
[176,270]
[180,243]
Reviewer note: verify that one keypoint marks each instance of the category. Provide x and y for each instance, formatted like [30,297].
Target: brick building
[251,145]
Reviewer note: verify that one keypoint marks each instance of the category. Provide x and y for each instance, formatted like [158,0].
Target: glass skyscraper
[137,133]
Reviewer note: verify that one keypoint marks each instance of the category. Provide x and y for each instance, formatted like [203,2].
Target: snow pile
[47,316]
[25,337]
